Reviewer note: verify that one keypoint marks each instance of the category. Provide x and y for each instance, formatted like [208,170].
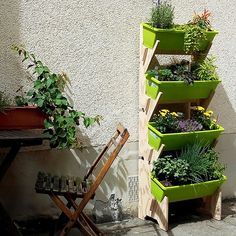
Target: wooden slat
[56,183]
[48,182]
[160,212]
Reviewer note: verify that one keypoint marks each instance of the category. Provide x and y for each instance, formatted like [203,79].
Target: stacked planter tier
[171,39]
[184,192]
[173,90]
[152,142]
[175,141]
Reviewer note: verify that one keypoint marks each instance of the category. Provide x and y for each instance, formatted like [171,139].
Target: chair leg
[91,224]
[83,217]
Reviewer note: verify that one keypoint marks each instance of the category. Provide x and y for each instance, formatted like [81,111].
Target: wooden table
[15,140]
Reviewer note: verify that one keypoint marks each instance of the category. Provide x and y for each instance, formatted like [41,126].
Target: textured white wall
[97,44]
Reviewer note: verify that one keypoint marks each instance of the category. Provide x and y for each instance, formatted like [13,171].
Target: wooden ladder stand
[148,206]
[72,188]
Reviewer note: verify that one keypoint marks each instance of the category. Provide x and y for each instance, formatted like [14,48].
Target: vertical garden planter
[28,117]
[184,192]
[175,141]
[171,39]
[179,90]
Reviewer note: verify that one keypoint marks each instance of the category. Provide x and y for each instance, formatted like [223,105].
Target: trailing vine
[48,94]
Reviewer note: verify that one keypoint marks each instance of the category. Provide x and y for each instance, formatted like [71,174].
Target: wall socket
[133,188]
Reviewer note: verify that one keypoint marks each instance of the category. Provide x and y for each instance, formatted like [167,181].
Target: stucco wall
[97,44]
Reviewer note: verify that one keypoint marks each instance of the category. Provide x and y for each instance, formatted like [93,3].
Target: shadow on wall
[10,73]
[17,188]
[226,144]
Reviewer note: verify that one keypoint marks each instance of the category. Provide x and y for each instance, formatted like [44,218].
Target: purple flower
[189,126]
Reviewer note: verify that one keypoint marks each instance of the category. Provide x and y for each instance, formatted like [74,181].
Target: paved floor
[184,222]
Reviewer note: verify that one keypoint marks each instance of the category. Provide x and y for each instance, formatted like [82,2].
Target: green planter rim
[150,126]
[182,186]
[171,30]
[153,79]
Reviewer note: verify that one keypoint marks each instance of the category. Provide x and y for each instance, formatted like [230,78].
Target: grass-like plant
[195,163]
[203,163]
[162,15]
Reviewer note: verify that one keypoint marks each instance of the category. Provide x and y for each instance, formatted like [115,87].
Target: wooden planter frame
[148,206]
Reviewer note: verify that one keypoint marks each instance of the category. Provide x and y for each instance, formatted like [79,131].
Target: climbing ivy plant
[48,93]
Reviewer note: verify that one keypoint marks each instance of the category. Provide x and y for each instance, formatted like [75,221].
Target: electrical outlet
[133,188]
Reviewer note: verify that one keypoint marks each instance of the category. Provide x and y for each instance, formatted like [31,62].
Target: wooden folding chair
[71,188]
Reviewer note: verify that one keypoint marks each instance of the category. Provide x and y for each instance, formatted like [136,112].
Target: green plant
[206,70]
[195,31]
[192,37]
[205,118]
[165,74]
[171,171]
[166,121]
[48,94]
[21,101]
[162,15]
[203,163]
[4,101]
[172,122]
[193,164]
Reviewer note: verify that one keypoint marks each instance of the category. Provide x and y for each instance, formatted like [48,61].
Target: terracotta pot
[28,117]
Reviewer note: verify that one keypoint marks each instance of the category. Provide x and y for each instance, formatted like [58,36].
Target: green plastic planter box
[170,39]
[175,141]
[184,192]
[179,90]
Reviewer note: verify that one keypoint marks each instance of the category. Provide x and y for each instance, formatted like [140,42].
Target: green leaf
[40,102]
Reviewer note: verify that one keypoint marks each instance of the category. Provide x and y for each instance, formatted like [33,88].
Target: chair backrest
[117,141]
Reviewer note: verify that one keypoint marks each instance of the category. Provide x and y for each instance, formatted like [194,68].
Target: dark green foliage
[21,101]
[194,164]
[48,95]
[172,170]
[165,75]
[162,16]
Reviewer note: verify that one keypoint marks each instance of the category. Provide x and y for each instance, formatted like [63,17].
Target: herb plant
[180,71]
[48,94]
[171,170]
[162,15]
[206,70]
[195,163]
[203,163]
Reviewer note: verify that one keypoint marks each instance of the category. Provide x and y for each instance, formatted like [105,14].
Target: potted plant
[195,36]
[182,81]
[193,173]
[16,116]
[48,95]
[172,130]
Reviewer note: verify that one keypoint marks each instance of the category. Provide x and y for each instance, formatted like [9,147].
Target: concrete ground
[184,221]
